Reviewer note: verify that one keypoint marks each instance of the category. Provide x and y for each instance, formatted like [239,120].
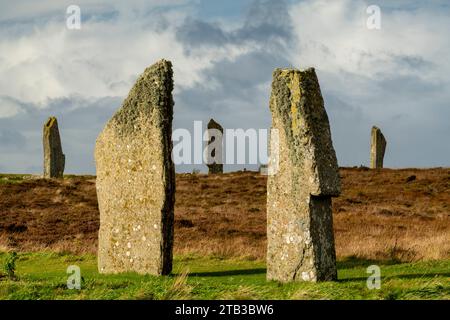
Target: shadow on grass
[348,263]
[401,276]
[227,273]
[354,262]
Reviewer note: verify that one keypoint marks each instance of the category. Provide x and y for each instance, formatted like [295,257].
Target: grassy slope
[42,276]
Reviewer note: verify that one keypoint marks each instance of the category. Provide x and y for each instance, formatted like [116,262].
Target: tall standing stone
[54,158]
[377,148]
[299,218]
[214,148]
[136,179]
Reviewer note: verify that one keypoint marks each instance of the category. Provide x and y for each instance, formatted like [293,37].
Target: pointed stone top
[160,64]
[377,131]
[51,121]
[212,124]
[152,90]
[288,70]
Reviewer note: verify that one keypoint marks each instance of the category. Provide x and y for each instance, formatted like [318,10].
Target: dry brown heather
[380,214]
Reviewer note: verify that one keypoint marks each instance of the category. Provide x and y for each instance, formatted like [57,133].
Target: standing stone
[54,159]
[377,148]
[299,218]
[136,179]
[214,147]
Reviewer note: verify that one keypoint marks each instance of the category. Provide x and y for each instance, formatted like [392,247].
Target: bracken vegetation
[392,215]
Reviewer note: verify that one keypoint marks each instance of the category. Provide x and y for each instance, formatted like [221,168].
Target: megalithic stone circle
[54,158]
[136,179]
[215,166]
[377,148]
[299,217]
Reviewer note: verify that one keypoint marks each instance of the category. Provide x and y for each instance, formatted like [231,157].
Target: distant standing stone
[54,159]
[136,179]
[299,218]
[215,147]
[377,148]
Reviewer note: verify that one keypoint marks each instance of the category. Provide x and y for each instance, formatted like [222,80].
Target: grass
[7,178]
[43,276]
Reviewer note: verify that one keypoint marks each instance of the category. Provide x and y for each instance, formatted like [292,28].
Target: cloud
[22,11]
[8,107]
[395,77]
[266,25]
[47,61]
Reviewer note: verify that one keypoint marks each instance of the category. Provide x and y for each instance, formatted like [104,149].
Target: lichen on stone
[377,148]
[54,158]
[299,220]
[148,98]
[136,178]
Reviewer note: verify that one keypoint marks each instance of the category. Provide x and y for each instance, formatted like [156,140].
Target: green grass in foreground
[43,276]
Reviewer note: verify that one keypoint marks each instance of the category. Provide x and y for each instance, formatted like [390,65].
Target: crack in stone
[300,264]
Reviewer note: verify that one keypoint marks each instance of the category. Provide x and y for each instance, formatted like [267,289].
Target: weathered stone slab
[299,218]
[54,158]
[214,147]
[136,179]
[377,148]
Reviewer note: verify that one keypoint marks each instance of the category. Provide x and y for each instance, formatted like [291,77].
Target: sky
[224,52]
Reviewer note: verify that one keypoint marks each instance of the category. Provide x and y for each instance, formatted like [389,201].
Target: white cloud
[333,36]
[101,59]
[394,77]
[8,108]
[410,53]
[23,10]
